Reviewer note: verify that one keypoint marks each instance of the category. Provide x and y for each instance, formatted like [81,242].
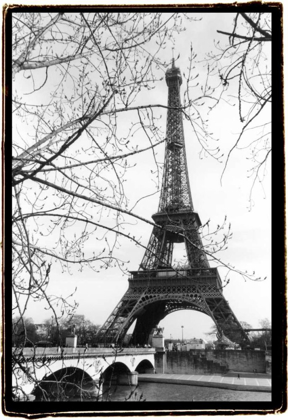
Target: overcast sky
[250,247]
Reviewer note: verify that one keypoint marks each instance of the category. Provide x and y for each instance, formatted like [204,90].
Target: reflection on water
[172,392]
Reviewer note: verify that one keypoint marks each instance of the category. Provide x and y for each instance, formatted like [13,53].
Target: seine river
[173,392]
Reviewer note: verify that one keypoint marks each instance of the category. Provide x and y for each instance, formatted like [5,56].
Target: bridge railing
[93,351]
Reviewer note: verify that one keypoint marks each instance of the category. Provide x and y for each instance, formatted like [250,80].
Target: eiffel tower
[157,289]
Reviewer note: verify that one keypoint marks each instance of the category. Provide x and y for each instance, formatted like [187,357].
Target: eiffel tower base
[152,295]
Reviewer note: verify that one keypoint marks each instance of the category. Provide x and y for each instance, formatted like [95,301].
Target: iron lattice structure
[157,289]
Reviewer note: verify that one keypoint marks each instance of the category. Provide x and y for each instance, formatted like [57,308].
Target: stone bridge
[39,371]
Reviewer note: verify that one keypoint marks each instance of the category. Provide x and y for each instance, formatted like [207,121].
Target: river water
[149,391]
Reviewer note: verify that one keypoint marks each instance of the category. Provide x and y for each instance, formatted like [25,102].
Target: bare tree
[242,65]
[78,88]
[80,72]
[24,332]
[263,337]
[214,331]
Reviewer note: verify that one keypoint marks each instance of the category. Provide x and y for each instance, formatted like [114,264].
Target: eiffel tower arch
[157,289]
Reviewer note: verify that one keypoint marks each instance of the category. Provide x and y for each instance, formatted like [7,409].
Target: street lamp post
[182,332]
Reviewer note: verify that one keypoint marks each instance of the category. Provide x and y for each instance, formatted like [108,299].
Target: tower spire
[175,213]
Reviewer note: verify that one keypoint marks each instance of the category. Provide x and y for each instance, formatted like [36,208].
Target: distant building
[194,344]
[191,344]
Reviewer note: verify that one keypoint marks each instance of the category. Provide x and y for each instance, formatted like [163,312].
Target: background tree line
[48,333]
[258,339]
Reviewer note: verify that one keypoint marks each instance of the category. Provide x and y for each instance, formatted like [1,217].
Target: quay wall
[210,361]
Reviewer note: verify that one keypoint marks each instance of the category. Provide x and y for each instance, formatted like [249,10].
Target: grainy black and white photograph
[141,207]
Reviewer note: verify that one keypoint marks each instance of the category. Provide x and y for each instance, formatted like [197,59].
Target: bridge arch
[145,366]
[112,373]
[65,384]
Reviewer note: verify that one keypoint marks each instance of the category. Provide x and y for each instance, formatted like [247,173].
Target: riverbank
[229,381]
